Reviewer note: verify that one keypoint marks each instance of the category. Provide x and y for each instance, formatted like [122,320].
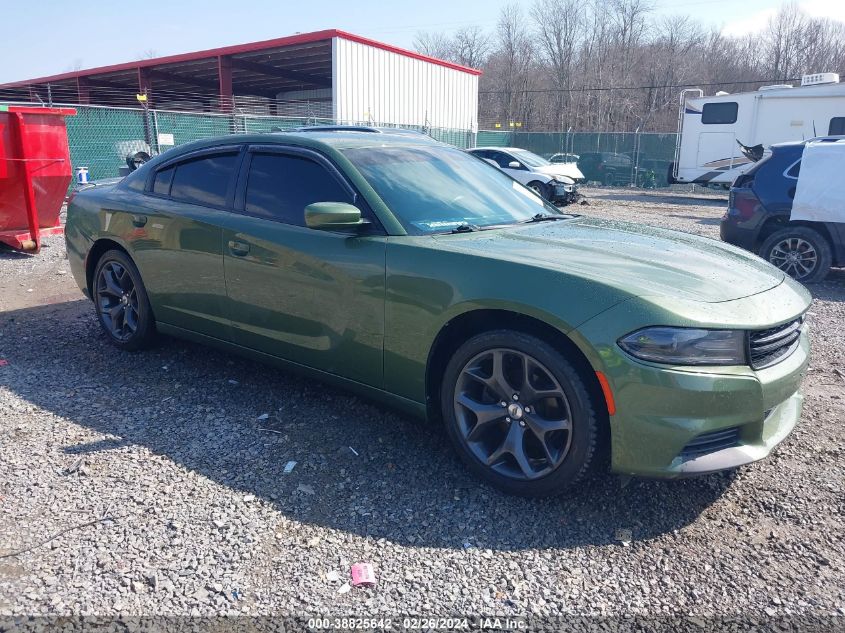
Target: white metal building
[323,74]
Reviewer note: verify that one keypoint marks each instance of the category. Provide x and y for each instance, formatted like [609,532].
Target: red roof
[303,38]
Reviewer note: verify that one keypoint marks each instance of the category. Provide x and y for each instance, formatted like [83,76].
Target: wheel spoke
[131,318]
[123,278]
[485,415]
[110,285]
[540,426]
[496,381]
[529,393]
[513,445]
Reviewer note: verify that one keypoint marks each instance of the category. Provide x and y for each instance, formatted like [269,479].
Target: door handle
[139,220]
[238,249]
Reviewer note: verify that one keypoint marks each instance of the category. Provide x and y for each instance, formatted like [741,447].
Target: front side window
[501,159]
[837,126]
[203,180]
[719,113]
[433,189]
[530,158]
[280,186]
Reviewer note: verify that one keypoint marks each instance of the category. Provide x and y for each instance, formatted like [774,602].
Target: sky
[51,37]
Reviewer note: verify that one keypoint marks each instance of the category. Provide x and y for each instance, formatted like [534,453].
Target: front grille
[767,347]
[710,443]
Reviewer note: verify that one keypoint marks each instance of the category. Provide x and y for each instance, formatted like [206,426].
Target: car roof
[818,139]
[501,149]
[336,137]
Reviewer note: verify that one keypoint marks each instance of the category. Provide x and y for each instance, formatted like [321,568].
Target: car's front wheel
[800,252]
[540,189]
[120,299]
[519,414]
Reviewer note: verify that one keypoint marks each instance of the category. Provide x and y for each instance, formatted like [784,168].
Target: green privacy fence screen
[641,159]
[101,139]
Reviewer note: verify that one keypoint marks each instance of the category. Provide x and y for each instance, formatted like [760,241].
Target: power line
[656,87]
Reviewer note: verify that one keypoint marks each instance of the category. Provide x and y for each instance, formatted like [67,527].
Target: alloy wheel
[117,301]
[795,256]
[513,414]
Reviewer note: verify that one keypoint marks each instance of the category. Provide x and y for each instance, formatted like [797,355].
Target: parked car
[759,218]
[555,183]
[607,168]
[408,271]
[564,158]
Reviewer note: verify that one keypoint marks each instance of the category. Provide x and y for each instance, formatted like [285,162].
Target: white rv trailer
[713,130]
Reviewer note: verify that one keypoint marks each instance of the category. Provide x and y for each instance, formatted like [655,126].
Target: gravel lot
[154,483]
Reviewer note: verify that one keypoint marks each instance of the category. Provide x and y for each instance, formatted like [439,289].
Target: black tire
[800,252]
[121,302]
[608,178]
[550,477]
[540,189]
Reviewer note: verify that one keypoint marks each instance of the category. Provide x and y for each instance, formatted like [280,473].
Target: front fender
[428,287]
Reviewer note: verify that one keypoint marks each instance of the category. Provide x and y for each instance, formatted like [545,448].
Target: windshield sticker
[525,191]
[438,224]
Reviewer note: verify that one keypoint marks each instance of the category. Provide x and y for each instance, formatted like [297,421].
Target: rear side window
[837,126]
[161,184]
[279,187]
[794,171]
[203,180]
[719,113]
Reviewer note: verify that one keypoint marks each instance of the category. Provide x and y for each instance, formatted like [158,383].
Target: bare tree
[470,47]
[613,65]
[785,40]
[433,44]
[560,31]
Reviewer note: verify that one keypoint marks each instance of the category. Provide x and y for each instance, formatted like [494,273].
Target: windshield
[530,158]
[435,189]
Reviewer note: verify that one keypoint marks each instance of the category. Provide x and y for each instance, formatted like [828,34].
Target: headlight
[686,346]
[566,180]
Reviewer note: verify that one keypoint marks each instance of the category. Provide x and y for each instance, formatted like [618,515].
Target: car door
[177,238]
[313,297]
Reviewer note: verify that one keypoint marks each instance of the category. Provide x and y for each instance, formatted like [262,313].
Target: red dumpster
[35,172]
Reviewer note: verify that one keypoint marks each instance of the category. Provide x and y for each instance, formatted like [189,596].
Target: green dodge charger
[547,343]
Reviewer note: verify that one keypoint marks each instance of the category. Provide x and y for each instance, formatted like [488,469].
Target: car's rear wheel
[800,252]
[120,298]
[519,414]
[540,189]
[608,179]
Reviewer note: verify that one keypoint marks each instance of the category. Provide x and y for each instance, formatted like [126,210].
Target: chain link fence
[102,138]
[610,158]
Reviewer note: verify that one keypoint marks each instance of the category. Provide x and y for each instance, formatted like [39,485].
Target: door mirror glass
[514,165]
[333,216]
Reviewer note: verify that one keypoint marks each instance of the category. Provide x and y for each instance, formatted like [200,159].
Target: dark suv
[758,215]
[607,168]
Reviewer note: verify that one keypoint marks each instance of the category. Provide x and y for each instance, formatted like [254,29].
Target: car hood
[561,169]
[636,259]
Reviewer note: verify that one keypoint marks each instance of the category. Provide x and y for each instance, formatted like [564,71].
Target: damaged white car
[554,182]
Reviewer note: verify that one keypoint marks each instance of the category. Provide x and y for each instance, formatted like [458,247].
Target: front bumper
[563,193]
[661,411]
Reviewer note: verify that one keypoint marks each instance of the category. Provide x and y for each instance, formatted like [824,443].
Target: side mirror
[514,165]
[333,216]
